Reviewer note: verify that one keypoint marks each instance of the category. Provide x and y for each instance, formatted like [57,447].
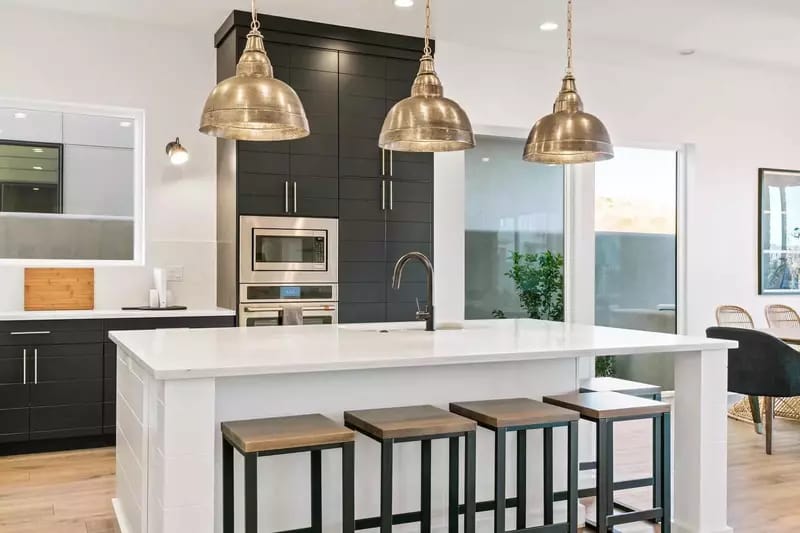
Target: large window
[636,251]
[511,207]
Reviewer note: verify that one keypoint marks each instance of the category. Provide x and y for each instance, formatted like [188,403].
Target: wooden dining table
[787,335]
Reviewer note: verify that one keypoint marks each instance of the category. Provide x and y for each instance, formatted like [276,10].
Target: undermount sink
[401,326]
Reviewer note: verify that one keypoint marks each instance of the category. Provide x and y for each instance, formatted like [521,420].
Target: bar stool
[605,408]
[520,415]
[633,388]
[422,423]
[285,435]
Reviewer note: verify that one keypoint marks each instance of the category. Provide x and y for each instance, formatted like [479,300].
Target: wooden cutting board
[59,289]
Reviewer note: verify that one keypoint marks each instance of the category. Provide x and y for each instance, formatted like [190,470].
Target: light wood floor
[71,492]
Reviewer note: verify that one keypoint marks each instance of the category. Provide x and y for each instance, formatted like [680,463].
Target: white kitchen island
[174,387]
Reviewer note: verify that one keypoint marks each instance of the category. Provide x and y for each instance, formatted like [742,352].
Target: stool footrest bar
[487,505]
[619,485]
[550,528]
[400,518]
[636,516]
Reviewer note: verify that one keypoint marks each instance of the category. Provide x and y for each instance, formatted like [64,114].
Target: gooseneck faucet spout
[427,314]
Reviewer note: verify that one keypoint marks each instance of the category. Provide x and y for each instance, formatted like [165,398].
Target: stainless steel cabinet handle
[29,333]
[286,196]
[24,367]
[391,163]
[294,196]
[383,162]
[383,195]
[36,366]
[391,195]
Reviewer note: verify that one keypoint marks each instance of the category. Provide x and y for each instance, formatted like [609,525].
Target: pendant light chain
[427,52]
[569,36]
[255,24]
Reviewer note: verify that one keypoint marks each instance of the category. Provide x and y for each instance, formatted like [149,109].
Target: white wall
[739,119]
[166,72]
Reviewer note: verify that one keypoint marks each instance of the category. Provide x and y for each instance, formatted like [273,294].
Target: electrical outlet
[174,273]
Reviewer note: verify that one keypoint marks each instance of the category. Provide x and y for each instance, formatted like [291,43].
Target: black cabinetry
[348,79]
[58,380]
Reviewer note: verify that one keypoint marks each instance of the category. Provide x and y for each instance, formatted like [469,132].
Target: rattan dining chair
[781,316]
[733,316]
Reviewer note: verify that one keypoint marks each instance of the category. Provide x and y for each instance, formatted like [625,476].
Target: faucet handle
[418,308]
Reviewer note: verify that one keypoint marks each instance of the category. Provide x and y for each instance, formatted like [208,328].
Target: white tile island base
[175,387]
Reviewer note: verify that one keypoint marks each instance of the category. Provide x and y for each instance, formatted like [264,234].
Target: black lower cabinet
[58,390]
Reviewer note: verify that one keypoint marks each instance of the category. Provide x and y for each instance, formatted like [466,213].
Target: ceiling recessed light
[20,114]
[126,124]
[38,150]
[485,159]
[36,188]
[548,26]
[404,3]
[37,168]
[687,51]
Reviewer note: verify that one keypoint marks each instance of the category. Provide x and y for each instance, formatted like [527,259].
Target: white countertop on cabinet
[110,313]
[224,352]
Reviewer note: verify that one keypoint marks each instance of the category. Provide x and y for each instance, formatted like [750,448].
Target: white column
[182,457]
[700,463]
[448,236]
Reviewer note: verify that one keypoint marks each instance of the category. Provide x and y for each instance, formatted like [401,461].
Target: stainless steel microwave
[288,249]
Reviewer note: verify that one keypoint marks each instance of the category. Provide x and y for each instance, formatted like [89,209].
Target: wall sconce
[178,155]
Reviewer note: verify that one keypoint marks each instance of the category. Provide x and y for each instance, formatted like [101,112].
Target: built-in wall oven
[288,250]
[281,305]
[288,271]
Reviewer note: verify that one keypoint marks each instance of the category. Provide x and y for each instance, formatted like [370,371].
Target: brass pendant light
[568,135]
[427,121]
[253,105]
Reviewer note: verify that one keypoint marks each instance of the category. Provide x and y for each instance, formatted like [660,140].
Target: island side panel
[700,464]
[284,480]
[181,456]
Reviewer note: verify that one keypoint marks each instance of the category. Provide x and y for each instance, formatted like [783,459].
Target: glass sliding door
[636,252]
[513,209]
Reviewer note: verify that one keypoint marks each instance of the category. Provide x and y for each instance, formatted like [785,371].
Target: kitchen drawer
[123,324]
[70,362]
[66,421]
[42,332]
[13,425]
[65,393]
[110,360]
[14,396]
[11,364]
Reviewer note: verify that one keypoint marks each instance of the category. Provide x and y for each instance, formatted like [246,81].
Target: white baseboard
[122,522]
[677,527]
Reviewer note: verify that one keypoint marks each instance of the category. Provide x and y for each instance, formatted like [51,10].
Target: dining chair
[781,316]
[762,365]
[733,316]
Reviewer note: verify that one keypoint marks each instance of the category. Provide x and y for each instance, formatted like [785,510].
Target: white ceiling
[752,31]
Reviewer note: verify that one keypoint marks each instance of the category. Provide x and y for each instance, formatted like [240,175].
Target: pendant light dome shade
[426,121]
[253,105]
[568,135]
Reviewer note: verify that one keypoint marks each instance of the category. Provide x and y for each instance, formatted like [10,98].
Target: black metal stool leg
[387,446]
[227,487]
[348,488]
[425,488]
[522,478]
[572,475]
[666,473]
[469,482]
[452,518]
[609,458]
[547,488]
[603,497]
[657,451]
[251,493]
[500,480]
[316,491]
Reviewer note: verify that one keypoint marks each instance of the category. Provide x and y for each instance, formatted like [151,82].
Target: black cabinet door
[14,395]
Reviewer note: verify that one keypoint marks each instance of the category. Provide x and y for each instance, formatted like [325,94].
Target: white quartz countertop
[226,352]
[110,313]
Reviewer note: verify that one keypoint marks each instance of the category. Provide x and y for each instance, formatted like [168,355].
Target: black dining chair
[762,365]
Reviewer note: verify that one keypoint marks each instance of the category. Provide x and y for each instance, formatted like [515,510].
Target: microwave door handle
[294,196]
[286,196]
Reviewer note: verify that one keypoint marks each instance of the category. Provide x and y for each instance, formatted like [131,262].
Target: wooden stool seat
[605,405]
[407,422]
[608,384]
[285,433]
[512,412]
